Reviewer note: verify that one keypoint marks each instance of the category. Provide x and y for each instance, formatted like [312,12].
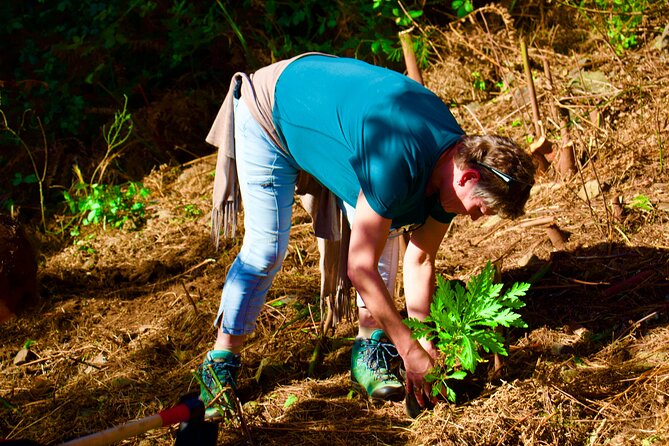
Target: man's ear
[469,175]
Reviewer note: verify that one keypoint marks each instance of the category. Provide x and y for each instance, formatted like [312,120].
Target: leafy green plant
[404,17]
[462,7]
[462,323]
[392,9]
[478,82]
[191,211]
[114,205]
[502,86]
[621,19]
[106,204]
[642,203]
[624,17]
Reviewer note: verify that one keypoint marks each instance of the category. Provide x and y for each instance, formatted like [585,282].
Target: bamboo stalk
[540,146]
[557,237]
[566,164]
[413,71]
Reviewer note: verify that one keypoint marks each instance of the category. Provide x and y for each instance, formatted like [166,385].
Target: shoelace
[222,369]
[378,353]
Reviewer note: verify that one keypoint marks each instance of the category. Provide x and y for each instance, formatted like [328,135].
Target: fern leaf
[490,341]
[468,355]
[512,297]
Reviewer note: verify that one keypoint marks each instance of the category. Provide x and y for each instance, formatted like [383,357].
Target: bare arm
[368,237]
[419,271]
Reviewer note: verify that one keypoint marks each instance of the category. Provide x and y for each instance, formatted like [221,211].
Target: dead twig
[539,221]
[628,283]
[189,297]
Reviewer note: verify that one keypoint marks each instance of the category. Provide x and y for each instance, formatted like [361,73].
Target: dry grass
[124,322]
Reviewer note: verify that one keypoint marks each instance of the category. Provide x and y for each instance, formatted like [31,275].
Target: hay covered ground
[126,316]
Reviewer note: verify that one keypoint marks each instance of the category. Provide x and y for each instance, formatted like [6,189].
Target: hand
[418,363]
[429,347]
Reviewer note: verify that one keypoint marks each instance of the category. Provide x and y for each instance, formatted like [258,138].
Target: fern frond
[462,323]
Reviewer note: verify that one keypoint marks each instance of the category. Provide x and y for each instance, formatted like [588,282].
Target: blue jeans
[267,179]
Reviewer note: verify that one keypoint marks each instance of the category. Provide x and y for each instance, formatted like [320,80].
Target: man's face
[476,208]
[460,198]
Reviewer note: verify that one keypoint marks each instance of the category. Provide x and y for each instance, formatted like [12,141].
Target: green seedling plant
[623,21]
[642,203]
[97,203]
[191,212]
[478,82]
[462,323]
[113,205]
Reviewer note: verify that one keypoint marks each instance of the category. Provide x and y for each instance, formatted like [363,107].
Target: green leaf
[450,394]
[292,399]
[458,375]
[641,202]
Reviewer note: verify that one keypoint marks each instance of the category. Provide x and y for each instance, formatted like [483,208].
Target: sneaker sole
[395,397]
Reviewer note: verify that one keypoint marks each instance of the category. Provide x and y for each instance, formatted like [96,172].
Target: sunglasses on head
[513,184]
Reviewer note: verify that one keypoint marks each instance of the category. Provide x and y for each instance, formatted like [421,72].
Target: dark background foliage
[67,66]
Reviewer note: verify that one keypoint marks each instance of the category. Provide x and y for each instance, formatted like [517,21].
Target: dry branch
[628,283]
[541,146]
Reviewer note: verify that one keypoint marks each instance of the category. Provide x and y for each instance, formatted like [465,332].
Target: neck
[443,171]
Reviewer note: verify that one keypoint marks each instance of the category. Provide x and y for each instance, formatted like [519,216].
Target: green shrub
[103,204]
[621,18]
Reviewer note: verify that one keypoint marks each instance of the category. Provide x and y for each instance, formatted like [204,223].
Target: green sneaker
[218,373]
[372,361]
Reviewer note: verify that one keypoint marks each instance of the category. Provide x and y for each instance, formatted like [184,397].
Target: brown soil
[126,316]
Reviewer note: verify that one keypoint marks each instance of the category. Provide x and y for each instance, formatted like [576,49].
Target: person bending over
[392,153]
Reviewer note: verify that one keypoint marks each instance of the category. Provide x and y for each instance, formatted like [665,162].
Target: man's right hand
[418,363]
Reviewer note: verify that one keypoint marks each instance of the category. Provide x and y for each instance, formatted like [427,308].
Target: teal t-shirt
[356,126]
